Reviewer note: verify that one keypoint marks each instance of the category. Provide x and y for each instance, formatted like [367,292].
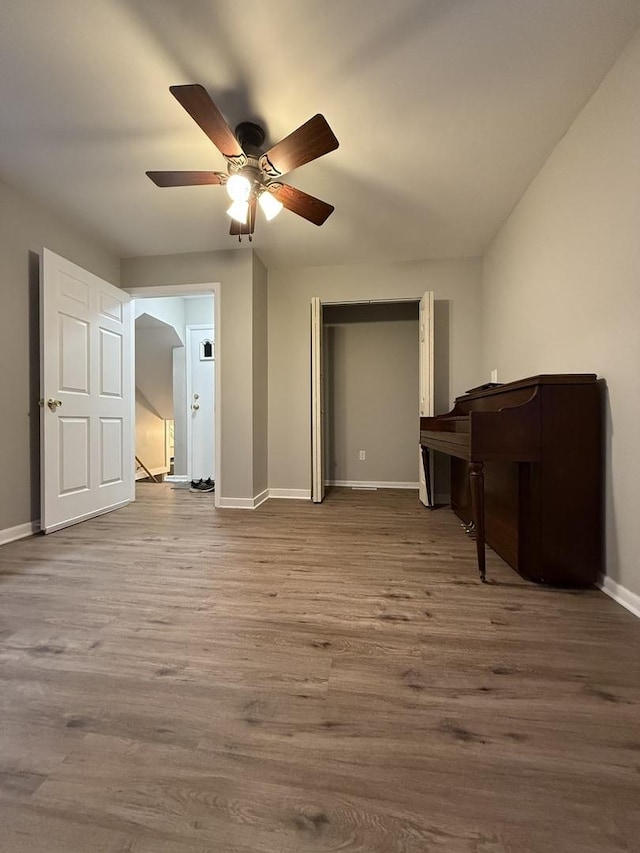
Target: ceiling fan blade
[187,179]
[313,209]
[310,141]
[238,228]
[196,101]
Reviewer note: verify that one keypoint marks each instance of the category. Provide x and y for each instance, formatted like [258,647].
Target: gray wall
[234,270]
[562,286]
[371,392]
[155,344]
[154,367]
[260,379]
[456,285]
[198,310]
[25,228]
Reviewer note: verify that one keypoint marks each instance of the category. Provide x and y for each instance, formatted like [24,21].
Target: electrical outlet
[362,455]
[494,374]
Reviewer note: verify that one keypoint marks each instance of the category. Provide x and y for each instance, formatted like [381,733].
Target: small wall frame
[207,350]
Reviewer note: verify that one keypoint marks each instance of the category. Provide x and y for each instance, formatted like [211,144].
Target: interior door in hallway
[200,359]
[86,389]
[426,374]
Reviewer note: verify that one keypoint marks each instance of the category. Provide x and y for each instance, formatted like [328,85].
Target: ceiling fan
[252,176]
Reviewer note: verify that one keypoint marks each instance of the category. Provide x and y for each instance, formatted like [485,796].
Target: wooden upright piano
[526,472]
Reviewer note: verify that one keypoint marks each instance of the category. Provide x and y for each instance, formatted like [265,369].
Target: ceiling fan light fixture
[270,205]
[253,175]
[239,211]
[238,188]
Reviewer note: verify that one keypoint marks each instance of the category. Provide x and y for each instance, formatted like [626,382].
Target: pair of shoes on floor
[201,485]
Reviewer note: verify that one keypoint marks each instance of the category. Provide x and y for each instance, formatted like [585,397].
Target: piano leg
[426,464]
[476,483]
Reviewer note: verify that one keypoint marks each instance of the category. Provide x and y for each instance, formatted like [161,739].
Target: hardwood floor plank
[25,830]
[231,802]
[180,679]
[26,747]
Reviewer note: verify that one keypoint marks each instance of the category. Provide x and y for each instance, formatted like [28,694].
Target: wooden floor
[176,679]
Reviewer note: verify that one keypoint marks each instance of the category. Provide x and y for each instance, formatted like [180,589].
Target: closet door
[426,387]
[317,396]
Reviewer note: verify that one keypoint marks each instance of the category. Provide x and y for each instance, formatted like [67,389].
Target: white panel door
[87,457]
[426,385]
[200,359]
[317,397]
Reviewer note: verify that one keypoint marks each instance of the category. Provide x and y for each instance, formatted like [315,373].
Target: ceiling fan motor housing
[251,138]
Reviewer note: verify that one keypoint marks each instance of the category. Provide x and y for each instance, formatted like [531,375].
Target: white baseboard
[291,494]
[304,494]
[620,594]
[235,503]
[176,478]
[243,503]
[371,484]
[261,498]
[20,531]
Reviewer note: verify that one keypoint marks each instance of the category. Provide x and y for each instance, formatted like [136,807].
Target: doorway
[177,400]
[372,378]
[87,390]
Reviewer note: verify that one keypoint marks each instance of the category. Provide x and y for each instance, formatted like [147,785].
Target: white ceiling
[445,111]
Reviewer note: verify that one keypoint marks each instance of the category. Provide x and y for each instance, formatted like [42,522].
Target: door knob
[54,404]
